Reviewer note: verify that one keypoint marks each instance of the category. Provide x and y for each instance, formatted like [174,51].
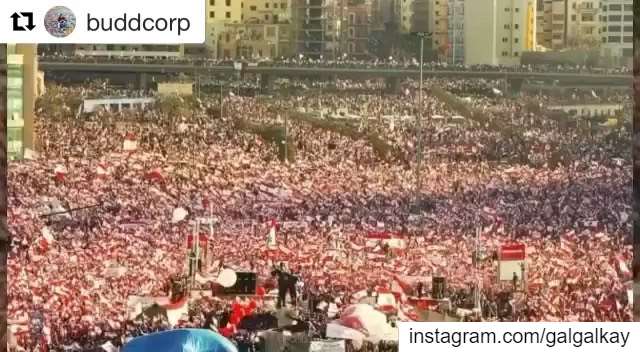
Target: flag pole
[477,252]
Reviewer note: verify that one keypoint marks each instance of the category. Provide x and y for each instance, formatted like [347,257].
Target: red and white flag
[59,172]
[175,310]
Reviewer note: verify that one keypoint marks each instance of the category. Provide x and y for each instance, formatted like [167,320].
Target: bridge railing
[355,65]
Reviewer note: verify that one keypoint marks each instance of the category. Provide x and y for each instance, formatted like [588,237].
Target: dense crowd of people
[346,63]
[92,222]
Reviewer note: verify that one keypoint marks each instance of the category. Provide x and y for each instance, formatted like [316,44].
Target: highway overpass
[393,76]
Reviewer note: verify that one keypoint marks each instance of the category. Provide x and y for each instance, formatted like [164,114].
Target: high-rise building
[439,26]
[543,23]
[263,32]
[412,15]
[219,43]
[566,24]
[497,32]
[22,69]
[455,27]
[312,30]
[356,26]
[617,31]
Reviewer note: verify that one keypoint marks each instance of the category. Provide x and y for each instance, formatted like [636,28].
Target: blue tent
[181,340]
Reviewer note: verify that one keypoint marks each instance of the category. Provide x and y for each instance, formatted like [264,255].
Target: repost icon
[60,21]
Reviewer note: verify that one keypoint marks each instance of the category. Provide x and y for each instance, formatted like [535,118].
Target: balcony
[583,8]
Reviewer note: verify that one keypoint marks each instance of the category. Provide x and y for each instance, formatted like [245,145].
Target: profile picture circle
[60,21]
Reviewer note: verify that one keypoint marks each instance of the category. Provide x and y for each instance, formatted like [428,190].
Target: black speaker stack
[245,284]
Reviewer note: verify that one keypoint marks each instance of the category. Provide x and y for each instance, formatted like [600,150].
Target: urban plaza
[318,172]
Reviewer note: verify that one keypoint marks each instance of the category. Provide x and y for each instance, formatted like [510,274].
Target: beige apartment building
[220,13]
[569,24]
[439,27]
[264,31]
[617,31]
[498,31]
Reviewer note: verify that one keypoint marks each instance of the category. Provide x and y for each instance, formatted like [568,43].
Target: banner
[512,261]
[327,346]
[129,145]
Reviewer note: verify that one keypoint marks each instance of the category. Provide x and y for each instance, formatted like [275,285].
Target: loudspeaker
[438,286]
[245,284]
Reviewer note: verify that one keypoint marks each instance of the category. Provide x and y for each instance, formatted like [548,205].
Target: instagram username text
[137,23]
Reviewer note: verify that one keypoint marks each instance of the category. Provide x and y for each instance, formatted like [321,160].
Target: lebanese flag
[59,172]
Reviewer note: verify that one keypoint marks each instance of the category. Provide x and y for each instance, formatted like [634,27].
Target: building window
[506,26]
[516,40]
[266,5]
[615,7]
[628,18]
[212,2]
[628,29]
[515,53]
[505,39]
[252,8]
[266,17]
[613,39]
[506,9]
[615,28]
[517,9]
[228,2]
[628,7]
[573,18]
[628,39]
[271,32]
[275,5]
[615,18]
[228,14]
[516,26]
[212,14]
[283,5]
